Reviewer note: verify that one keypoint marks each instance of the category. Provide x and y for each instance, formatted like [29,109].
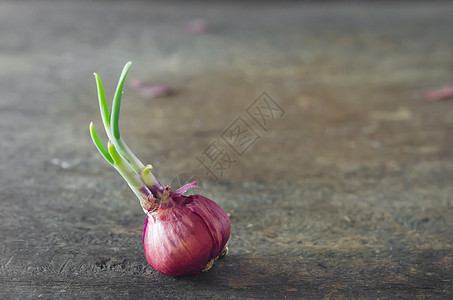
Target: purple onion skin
[185,235]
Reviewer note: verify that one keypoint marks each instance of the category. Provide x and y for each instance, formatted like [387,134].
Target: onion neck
[150,181]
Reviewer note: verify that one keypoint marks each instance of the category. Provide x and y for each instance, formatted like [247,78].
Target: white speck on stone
[65,165]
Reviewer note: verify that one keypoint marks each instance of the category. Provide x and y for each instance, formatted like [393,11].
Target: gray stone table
[345,191]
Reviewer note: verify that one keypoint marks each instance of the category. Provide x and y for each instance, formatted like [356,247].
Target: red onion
[183,235]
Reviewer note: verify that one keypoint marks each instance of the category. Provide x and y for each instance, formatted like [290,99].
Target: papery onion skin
[185,235]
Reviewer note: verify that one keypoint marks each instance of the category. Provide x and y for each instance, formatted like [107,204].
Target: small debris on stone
[65,165]
[198,26]
[401,114]
[440,94]
[392,166]
[150,89]
[62,164]
[375,144]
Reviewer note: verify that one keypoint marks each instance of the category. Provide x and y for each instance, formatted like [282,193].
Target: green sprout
[117,153]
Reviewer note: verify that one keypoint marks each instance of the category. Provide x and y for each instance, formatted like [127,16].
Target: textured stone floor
[345,191]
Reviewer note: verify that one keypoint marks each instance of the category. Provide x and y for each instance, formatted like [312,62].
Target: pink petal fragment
[440,94]
[155,90]
[149,89]
[197,26]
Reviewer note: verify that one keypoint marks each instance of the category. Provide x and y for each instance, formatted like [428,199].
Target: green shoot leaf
[97,142]
[117,102]
[105,115]
[114,154]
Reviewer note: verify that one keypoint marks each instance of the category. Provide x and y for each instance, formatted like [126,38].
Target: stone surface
[348,194]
